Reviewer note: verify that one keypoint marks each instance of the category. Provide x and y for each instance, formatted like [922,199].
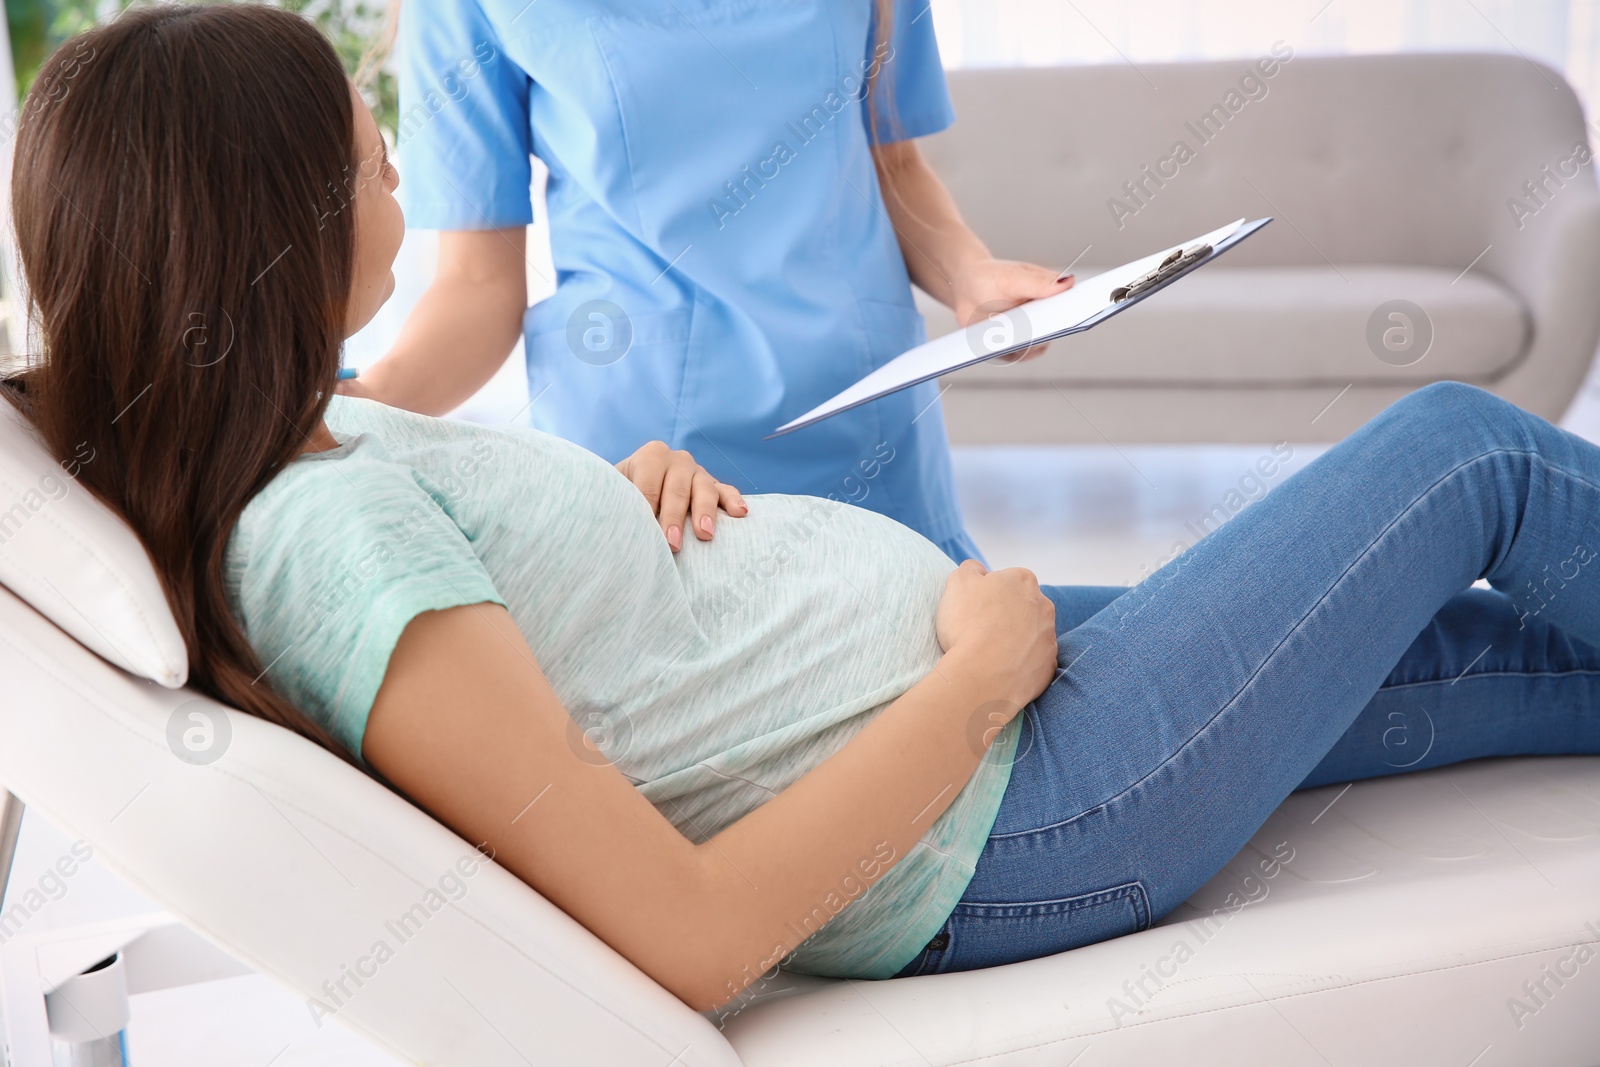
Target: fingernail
[674,538]
[705,524]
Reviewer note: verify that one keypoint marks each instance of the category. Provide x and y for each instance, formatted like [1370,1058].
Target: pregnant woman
[810,740]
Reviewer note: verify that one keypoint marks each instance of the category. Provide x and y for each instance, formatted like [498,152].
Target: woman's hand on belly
[680,490]
[1001,625]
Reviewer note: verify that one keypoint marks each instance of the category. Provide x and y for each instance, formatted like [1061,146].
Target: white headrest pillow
[77,563]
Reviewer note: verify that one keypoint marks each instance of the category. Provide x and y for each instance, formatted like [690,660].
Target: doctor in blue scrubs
[737,210]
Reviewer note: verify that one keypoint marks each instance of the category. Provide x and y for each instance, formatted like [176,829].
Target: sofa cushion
[1286,326]
[1399,159]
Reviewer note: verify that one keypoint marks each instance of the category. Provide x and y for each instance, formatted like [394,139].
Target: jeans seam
[1131,890]
[1487,674]
[1132,893]
[1295,629]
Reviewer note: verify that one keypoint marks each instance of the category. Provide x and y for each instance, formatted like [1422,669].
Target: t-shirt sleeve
[328,566]
[912,99]
[463,138]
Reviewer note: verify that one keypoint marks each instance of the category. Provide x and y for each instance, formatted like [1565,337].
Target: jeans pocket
[988,935]
[927,961]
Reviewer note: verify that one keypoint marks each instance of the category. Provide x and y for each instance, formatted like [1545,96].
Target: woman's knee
[1449,403]
[1457,415]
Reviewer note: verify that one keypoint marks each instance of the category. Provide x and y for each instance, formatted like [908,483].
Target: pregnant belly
[808,609]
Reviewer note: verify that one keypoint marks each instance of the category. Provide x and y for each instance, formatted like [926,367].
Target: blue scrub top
[724,258]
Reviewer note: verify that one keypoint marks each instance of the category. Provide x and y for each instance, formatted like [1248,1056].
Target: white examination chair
[1400,921]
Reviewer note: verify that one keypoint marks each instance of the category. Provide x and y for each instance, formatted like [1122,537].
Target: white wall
[987,33]
[1562,34]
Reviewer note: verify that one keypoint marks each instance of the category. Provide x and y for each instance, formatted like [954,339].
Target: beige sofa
[1458,184]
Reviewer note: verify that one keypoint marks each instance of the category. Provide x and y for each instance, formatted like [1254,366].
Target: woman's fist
[1001,625]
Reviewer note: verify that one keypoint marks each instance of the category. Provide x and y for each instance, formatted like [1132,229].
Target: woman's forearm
[934,239]
[503,769]
[461,329]
[785,869]
[704,919]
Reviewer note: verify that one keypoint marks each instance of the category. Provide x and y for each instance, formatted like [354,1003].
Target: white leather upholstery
[1411,912]
[78,563]
[294,862]
[1404,163]
[1410,915]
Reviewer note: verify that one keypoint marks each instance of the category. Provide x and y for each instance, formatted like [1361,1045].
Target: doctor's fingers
[732,500]
[677,490]
[646,469]
[1031,352]
[703,505]
[1031,281]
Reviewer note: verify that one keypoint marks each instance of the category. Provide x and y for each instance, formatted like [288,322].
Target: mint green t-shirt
[712,679]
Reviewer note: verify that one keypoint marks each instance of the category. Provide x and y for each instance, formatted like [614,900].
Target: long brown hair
[180,201]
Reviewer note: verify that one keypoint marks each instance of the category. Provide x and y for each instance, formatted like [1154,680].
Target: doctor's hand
[679,489]
[987,287]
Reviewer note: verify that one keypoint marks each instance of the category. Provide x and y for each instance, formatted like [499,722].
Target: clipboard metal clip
[1177,261]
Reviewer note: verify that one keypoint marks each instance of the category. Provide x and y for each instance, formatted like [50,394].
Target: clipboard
[1084,306]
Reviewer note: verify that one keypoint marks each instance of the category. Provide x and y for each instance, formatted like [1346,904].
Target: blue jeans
[1326,634]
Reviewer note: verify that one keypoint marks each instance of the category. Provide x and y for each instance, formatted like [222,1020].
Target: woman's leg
[1480,680]
[1077,604]
[1188,708]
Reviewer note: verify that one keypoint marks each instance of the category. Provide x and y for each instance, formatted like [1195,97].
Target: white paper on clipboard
[1086,304]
